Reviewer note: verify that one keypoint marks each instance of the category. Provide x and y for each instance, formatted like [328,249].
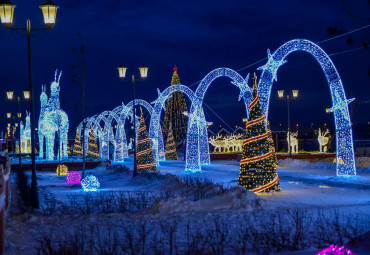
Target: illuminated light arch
[120,136]
[104,134]
[127,110]
[344,141]
[155,130]
[197,130]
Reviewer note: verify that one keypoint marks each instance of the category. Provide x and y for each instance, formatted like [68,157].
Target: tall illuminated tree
[175,106]
[144,156]
[257,168]
[170,145]
[92,150]
[272,145]
[77,148]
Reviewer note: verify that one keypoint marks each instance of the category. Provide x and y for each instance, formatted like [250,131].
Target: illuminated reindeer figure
[293,145]
[52,120]
[220,143]
[237,142]
[323,140]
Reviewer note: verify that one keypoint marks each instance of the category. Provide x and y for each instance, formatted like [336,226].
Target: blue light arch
[155,130]
[197,128]
[345,158]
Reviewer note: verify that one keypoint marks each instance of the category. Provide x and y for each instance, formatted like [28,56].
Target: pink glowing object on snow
[335,250]
[73,177]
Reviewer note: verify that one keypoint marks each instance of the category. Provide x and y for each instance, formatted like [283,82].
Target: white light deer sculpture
[323,140]
[293,145]
[220,143]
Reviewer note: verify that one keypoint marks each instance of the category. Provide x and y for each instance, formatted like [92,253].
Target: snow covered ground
[307,186]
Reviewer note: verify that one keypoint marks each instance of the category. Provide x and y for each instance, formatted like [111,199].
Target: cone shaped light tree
[257,168]
[77,148]
[175,106]
[144,156]
[170,145]
[92,150]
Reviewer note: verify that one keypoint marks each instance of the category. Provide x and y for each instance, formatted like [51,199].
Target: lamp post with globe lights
[143,74]
[294,96]
[49,11]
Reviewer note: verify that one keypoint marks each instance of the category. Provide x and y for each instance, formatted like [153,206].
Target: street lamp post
[10,96]
[143,74]
[49,11]
[281,96]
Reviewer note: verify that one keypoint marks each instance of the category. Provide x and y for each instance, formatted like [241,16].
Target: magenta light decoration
[335,250]
[73,177]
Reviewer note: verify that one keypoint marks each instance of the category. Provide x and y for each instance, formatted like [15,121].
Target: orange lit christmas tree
[257,167]
[170,145]
[92,150]
[175,106]
[77,148]
[144,156]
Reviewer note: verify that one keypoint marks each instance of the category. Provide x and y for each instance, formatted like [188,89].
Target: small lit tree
[92,150]
[170,145]
[144,156]
[77,148]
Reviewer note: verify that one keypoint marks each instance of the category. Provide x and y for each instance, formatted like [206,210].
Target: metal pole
[289,147]
[20,143]
[134,116]
[34,201]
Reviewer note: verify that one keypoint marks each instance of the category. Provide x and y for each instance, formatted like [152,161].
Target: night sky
[197,36]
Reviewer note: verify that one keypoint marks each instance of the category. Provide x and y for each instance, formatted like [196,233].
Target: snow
[195,197]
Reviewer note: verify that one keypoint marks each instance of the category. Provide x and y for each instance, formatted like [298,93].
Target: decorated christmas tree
[175,106]
[257,168]
[272,145]
[170,145]
[144,156]
[92,149]
[77,148]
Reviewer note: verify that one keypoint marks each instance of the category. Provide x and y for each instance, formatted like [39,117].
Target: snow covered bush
[90,183]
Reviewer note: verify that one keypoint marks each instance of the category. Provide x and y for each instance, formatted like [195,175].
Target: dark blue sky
[197,36]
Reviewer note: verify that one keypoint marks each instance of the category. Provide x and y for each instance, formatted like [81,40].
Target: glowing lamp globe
[122,71]
[49,11]
[143,71]
[9,115]
[6,12]
[9,94]
[295,93]
[90,183]
[26,94]
[335,250]
[73,177]
[62,170]
[19,114]
[281,93]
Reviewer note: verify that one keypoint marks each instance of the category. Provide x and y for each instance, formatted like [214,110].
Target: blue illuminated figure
[52,120]
[344,144]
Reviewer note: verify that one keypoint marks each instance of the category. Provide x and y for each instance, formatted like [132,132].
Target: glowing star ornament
[341,105]
[272,65]
[244,87]
[90,183]
[335,250]
[62,170]
[73,177]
